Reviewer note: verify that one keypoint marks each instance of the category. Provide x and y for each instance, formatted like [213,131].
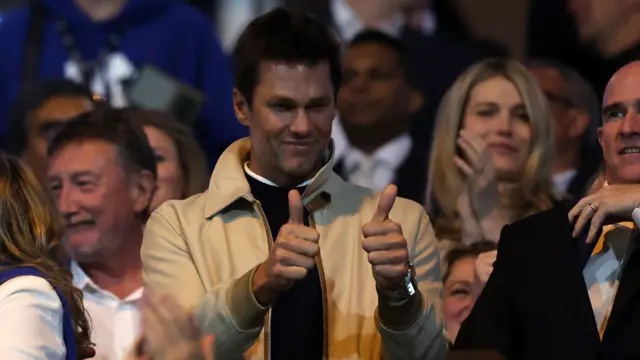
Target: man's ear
[416,100]
[143,186]
[241,107]
[600,138]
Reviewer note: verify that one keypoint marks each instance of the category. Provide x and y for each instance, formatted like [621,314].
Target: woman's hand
[169,333]
[484,265]
[477,165]
[479,202]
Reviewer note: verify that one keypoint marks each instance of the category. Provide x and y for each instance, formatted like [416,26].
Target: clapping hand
[484,265]
[609,205]
[480,198]
[385,245]
[169,333]
[477,166]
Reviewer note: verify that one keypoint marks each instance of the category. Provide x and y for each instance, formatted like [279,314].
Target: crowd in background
[119,106]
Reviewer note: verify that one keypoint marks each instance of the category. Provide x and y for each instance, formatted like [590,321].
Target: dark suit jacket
[536,306]
[411,176]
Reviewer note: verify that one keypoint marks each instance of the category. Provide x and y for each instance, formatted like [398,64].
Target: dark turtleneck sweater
[297,316]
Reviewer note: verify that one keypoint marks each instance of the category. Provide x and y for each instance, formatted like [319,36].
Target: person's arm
[414,329]
[31,320]
[489,325]
[229,310]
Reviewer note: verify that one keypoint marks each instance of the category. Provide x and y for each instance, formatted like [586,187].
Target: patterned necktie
[600,244]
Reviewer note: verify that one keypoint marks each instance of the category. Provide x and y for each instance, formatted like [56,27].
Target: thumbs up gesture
[385,245]
[291,257]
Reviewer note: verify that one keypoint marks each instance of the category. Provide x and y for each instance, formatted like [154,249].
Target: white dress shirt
[373,171]
[115,322]
[348,24]
[30,320]
[562,180]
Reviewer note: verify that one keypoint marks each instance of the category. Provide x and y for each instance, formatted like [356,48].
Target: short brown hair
[461,251]
[109,125]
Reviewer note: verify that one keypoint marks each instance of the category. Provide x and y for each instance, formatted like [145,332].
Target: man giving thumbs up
[280,258]
[291,257]
[386,247]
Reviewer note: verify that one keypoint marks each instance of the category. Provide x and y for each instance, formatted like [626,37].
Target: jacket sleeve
[228,310]
[489,325]
[424,337]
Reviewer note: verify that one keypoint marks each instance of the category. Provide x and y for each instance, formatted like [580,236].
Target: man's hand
[292,255]
[385,245]
[609,205]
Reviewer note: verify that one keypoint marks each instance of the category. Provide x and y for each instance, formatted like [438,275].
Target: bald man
[566,283]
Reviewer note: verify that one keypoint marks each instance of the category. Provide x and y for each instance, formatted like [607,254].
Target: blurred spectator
[491,156]
[102,172]
[598,36]
[436,54]
[106,44]
[461,286]
[375,105]
[576,116]
[42,312]
[182,166]
[612,28]
[37,114]
[587,258]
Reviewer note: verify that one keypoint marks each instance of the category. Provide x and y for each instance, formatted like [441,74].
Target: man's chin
[302,170]
[86,252]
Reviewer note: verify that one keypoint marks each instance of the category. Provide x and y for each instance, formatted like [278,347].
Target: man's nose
[67,205]
[630,124]
[301,124]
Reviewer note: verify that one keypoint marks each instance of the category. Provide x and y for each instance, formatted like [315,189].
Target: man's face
[595,18]
[43,123]
[567,121]
[97,199]
[619,135]
[290,120]
[374,91]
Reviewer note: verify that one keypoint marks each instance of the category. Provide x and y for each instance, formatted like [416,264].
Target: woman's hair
[461,251]
[446,181]
[192,159]
[31,230]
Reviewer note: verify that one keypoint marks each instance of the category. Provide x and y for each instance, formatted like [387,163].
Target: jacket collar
[228,183]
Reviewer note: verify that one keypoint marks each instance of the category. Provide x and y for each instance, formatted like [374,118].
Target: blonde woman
[491,156]
[41,313]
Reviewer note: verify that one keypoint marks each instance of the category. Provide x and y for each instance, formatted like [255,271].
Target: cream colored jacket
[204,251]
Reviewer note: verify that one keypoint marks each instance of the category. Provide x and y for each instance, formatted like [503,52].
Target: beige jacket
[204,251]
